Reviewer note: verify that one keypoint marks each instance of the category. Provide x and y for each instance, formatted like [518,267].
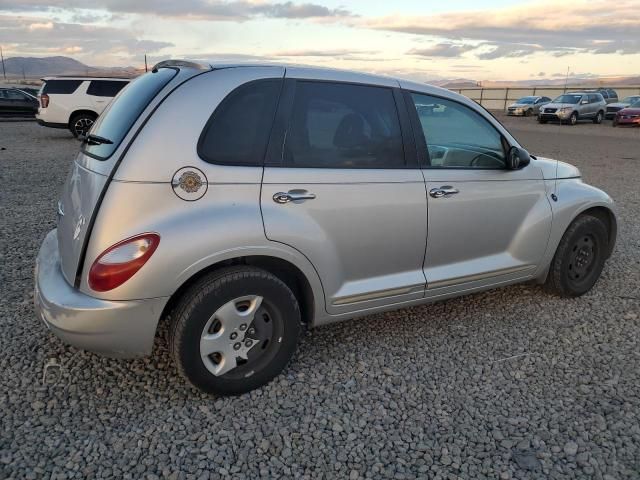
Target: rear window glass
[65,87]
[105,88]
[122,113]
[238,131]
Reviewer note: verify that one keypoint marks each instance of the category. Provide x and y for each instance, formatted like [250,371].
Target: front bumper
[627,121]
[112,328]
[556,116]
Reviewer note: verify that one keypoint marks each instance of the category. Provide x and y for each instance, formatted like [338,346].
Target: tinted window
[122,113]
[337,125]
[61,86]
[15,95]
[105,88]
[457,136]
[238,131]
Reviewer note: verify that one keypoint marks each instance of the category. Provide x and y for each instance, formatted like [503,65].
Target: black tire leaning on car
[528,112]
[206,296]
[80,123]
[579,258]
[542,120]
[598,118]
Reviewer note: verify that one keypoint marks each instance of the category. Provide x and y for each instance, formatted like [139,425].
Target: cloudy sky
[477,39]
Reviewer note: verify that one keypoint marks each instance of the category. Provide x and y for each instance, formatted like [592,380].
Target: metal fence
[500,98]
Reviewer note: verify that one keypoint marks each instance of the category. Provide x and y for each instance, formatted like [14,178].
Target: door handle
[293,196]
[443,191]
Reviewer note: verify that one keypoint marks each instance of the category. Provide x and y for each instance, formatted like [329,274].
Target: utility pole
[4,73]
[146,69]
[566,80]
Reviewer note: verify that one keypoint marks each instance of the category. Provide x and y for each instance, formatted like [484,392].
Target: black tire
[541,120]
[580,257]
[573,119]
[198,305]
[81,123]
[527,113]
[614,123]
[598,118]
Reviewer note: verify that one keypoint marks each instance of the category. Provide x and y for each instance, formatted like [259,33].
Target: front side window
[15,95]
[105,88]
[238,131]
[457,136]
[339,125]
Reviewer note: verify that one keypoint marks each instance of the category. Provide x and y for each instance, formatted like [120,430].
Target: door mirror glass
[517,158]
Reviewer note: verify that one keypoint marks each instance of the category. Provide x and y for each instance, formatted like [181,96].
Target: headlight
[565,109]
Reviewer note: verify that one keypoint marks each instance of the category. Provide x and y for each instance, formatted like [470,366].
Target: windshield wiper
[92,139]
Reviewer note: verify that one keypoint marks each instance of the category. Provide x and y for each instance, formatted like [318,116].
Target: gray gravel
[511,383]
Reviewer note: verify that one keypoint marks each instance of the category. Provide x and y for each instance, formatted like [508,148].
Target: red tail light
[44,100]
[121,261]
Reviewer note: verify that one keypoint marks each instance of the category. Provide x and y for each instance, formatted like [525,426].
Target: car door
[487,225]
[342,186]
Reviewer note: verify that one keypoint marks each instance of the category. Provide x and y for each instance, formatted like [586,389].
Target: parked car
[609,94]
[16,102]
[629,116]
[570,108]
[527,106]
[75,102]
[268,198]
[613,108]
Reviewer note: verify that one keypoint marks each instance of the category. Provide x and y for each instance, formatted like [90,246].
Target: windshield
[114,124]
[636,104]
[568,99]
[633,99]
[527,100]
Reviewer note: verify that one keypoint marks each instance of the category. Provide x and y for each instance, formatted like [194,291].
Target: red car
[628,116]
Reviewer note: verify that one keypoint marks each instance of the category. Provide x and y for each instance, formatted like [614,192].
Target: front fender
[574,198]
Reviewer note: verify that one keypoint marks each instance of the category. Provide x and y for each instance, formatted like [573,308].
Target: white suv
[75,102]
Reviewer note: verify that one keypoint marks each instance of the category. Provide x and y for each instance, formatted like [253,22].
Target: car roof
[80,77]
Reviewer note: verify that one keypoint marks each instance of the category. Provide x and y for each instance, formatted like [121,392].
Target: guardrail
[500,98]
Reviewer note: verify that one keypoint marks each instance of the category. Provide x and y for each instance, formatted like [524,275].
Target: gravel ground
[511,383]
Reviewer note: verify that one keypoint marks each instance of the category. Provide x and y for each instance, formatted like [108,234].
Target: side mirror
[517,158]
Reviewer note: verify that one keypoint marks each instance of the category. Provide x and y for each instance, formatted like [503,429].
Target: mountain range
[35,68]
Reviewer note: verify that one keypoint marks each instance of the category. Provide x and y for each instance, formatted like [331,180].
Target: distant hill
[39,67]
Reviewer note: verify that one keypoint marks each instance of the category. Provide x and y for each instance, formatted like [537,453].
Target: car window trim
[275,149]
[424,154]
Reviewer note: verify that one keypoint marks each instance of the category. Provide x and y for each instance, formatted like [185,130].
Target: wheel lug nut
[243,327]
[233,335]
[252,331]
[237,346]
[248,343]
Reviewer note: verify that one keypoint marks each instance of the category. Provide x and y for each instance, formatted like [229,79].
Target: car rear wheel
[234,330]
[580,257]
[598,119]
[81,123]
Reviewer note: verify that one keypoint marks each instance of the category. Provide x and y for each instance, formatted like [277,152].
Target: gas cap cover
[189,183]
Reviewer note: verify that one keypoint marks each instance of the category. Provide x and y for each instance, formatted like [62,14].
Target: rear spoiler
[182,63]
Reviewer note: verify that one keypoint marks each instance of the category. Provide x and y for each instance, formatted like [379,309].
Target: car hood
[619,105]
[629,111]
[554,169]
[521,105]
[560,105]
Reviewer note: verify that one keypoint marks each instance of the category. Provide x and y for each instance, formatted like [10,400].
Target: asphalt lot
[511,383]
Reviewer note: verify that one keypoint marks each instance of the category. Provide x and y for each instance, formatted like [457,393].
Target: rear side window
[63,87]
[337,125]
[105,88]
[238,131]
[122,113]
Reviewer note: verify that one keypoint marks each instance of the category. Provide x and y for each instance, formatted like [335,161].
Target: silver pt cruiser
[240,203]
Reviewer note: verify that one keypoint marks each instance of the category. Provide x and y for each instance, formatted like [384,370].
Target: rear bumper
[112,328]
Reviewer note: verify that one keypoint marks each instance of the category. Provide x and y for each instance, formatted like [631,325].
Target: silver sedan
[527,106]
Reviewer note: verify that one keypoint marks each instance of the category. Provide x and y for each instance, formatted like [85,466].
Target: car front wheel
[573,119]
[234,330]
[580,257]
[598,119]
